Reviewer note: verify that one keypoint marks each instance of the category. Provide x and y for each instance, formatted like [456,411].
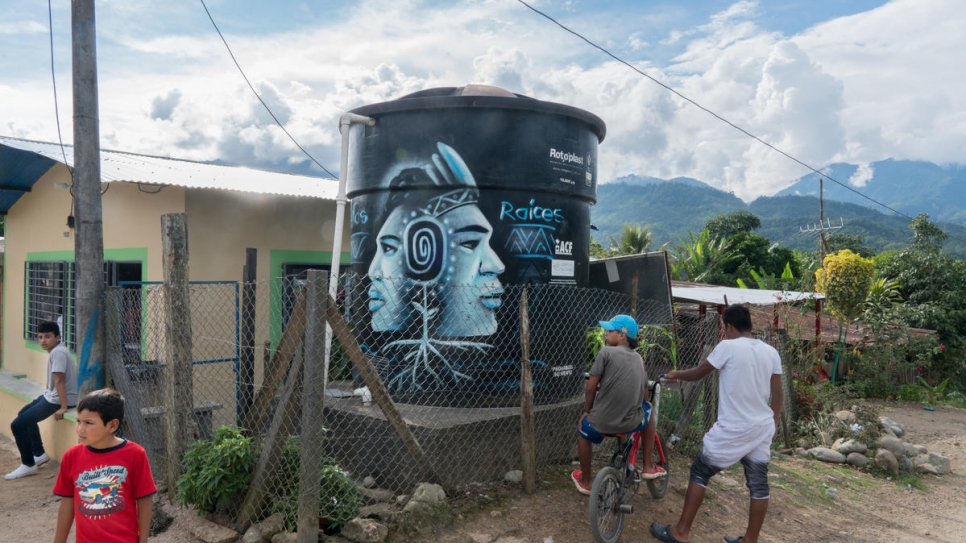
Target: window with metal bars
[49,294]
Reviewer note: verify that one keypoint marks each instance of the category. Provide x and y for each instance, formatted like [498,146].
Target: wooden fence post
[246,363]
[528,450]
[313,404]
[178,386]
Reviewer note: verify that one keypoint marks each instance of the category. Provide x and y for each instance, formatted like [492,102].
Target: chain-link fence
[420,383]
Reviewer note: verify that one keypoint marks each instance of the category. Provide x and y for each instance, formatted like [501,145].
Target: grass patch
[910,481]
[813,483]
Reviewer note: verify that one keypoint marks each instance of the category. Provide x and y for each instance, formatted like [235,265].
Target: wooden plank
[378,389]
[290,343]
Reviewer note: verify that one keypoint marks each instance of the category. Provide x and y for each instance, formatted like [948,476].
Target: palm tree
[634,240]
[699,256]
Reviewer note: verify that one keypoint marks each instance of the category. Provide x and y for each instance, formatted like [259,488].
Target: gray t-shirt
[60,361]
[623,382]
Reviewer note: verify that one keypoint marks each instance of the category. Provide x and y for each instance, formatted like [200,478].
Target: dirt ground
[810,501]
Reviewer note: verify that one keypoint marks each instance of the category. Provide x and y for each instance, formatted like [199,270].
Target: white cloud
[862,175]
[879,84]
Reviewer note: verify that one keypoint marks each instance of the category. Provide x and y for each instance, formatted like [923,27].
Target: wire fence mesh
[411,384]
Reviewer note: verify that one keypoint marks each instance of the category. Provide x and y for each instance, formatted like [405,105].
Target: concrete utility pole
[88,223]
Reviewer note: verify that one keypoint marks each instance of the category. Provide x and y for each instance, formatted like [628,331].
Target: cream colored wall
[221,225]
[37,222]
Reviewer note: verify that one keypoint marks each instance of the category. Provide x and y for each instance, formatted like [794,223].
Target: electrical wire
[712,113]
[53,78]
[250,86]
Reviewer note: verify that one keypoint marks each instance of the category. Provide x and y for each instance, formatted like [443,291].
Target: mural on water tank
[434,271]
[457,202]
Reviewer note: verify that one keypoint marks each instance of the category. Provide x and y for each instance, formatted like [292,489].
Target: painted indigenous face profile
[390,290]
[436,240]
[472,290]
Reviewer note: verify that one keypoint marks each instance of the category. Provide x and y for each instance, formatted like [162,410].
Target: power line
[250,86]
[712,113]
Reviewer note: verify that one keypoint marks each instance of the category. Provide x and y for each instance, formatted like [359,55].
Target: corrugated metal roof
[23,162]
[715,295]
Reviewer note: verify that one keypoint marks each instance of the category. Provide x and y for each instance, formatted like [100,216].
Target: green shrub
[339,501]
[216,472]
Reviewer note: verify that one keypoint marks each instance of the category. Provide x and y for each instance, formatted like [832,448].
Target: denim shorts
[589,433]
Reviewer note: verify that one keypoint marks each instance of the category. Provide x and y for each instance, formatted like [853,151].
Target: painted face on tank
[391,289]
[433,259]
[470,286]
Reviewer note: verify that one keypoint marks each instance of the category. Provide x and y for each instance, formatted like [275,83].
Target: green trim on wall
[276,258]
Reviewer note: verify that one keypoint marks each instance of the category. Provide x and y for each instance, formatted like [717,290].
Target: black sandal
[663,533]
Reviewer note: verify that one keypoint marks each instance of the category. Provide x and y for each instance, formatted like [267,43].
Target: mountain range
[670,208]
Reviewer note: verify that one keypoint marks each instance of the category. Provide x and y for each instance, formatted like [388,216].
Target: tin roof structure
[24,162]
[698,293]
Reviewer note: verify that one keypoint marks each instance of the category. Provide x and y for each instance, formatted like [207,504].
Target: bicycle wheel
[658,487]
[606,516]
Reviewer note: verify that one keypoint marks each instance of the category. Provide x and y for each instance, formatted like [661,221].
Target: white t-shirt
[60,361]
[746,366]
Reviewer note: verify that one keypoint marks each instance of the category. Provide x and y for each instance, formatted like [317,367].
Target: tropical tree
[634,239]
[845,279]
[728,225]
[933,289]
[699,258]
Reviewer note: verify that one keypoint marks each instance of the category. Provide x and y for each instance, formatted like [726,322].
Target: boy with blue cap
[615,400]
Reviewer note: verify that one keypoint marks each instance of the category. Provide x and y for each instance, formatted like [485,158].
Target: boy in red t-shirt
[105,482]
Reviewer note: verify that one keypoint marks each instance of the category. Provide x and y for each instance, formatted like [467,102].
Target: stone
[285,537]
[209,532]
[726,482]
[911,450]
[252,535]
[428,493]
[906,465]
[265,530]
[921,449]
[364,530]
[848,446]
[845,416]
[894,445]
[368,482]
[827,455]
[898,429]
[401,500]
[927,469]
[378,511]
[888,433]
[940,462]
[376,495]
[513,477]
[857,459]
[885,460]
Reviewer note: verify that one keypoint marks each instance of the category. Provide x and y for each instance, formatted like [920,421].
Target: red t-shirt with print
[105,485]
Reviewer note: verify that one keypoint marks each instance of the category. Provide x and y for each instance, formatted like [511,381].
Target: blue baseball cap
[622,323]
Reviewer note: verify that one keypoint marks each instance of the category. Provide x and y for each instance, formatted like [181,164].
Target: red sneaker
[575,477]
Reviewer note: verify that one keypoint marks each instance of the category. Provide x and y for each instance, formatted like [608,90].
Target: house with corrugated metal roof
[288,218]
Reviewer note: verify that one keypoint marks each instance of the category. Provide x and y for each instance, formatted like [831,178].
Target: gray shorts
[756,475]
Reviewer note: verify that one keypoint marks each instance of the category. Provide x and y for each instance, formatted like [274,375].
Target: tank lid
[479,96]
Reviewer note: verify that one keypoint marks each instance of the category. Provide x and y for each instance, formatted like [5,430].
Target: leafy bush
[339,501]
[217,471]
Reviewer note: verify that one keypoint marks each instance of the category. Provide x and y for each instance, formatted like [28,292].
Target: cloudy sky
[824,80]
